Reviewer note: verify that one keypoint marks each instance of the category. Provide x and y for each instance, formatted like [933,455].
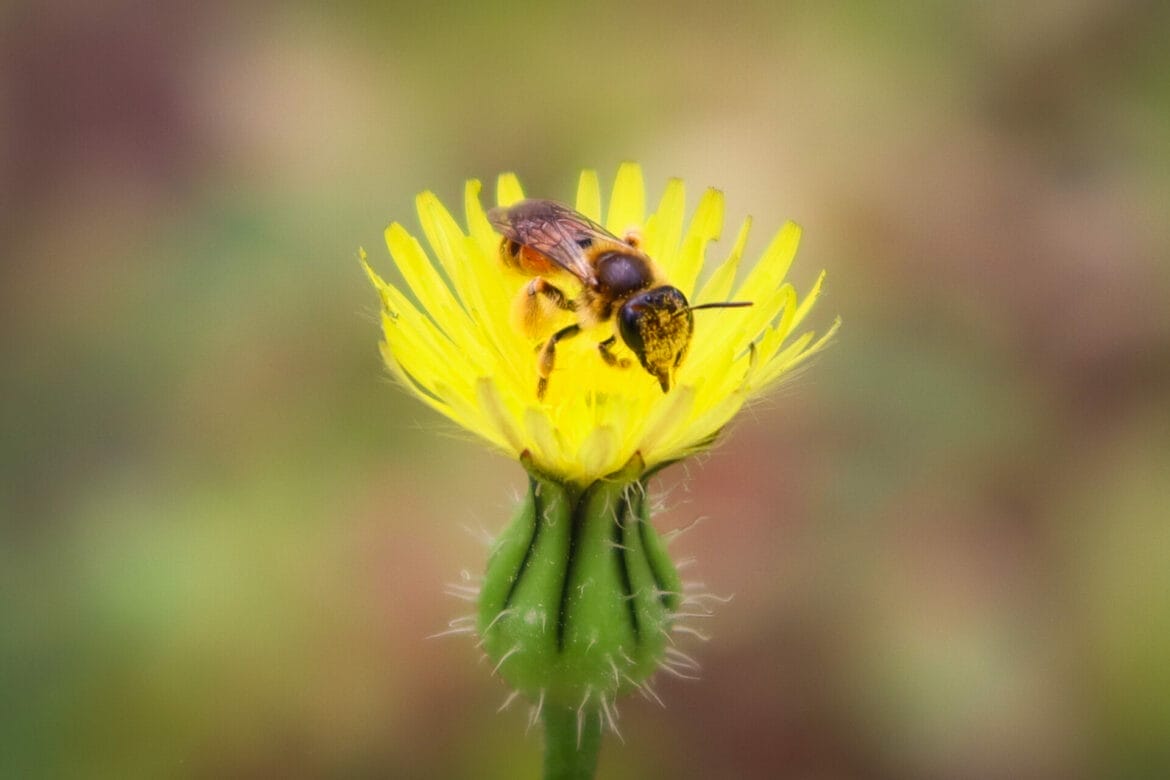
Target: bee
[619,284]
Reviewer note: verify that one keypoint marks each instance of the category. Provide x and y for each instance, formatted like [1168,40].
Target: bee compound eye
[629,317]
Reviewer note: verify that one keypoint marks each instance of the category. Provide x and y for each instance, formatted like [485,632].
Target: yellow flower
[451,341]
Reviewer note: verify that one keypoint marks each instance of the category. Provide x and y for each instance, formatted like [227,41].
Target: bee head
[656,325]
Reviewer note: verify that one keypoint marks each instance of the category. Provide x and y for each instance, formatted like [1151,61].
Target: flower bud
[578,599]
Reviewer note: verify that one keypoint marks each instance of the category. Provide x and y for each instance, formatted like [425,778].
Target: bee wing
[556,231]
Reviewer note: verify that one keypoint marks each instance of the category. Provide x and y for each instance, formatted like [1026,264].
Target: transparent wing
[566,237]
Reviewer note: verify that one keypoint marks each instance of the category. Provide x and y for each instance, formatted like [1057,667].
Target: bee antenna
[725,305]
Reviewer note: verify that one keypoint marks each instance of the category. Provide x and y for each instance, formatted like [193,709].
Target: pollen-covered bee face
[656,325]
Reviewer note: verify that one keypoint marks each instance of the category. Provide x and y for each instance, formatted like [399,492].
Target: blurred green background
[225,534]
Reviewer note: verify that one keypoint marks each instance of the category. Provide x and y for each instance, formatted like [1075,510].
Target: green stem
[569,754]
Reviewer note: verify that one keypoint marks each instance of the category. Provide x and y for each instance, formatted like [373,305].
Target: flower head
[452,342]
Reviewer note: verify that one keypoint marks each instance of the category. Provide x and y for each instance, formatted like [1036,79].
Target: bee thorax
[621,274]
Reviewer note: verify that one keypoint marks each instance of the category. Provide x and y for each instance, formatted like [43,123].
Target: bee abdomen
[525,259]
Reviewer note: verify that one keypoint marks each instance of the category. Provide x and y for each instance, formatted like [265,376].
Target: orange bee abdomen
[533,262]
[526,260]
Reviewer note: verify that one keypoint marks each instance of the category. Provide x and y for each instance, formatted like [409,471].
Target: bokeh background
[225,534]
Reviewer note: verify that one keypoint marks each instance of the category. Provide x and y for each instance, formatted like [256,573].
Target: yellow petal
[446,239]
[627,205]
[809,300]
[477,222]
[664,227]
[705,227]
[477,280]
[589,195]
[718,287]
[548,441]
[598,452]
[773,266]
[668,416]
[797,353]
[425,282]
[508,190]
[493,407]
[422,349]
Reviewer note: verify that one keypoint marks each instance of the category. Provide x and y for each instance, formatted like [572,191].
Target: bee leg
[536,303]
[540,286]
[548,355]
[608,356]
